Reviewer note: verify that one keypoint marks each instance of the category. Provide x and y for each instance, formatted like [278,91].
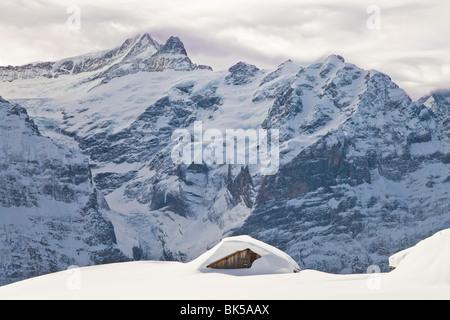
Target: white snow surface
[422,274]
[428,262]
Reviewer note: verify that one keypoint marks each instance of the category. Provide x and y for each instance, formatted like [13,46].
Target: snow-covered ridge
[174,281]
[140,53]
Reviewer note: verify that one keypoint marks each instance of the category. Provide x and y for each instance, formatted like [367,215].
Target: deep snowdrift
[272,260]
[428,262]
[423,273]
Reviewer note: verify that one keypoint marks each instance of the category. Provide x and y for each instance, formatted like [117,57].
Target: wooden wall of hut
[238,260]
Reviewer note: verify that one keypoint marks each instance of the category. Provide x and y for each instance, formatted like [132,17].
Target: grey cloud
[412,45]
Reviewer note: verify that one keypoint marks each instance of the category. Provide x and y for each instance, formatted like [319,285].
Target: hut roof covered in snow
[245,255]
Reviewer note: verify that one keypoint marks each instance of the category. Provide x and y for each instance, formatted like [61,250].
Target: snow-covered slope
[157,280]
[428,262]
[376,182]
[364,170]
[51,215]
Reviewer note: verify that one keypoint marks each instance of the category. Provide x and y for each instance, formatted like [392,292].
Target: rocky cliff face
[51,215]
[360,192]
[364,170]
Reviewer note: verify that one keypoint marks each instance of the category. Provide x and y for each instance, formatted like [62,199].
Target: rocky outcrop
[51,215]
[241,74]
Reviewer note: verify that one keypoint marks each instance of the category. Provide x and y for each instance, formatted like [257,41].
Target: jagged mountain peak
[288,62]
[242,73]
[335,59]
[147,37]
[13,112]
[438,101]
[288,66]
[174,46]
[442,96]
[143,48]
[241,65]
[123,60]
[147,40]
[287,69]
[331,65]
[147,55]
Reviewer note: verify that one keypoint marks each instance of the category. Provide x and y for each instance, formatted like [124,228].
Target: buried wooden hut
[239,260]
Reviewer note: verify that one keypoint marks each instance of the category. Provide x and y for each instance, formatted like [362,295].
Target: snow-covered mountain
[51,215]
[378,181]
[364,170]
[140,53]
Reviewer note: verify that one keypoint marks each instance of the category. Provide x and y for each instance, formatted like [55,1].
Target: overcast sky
[408,40]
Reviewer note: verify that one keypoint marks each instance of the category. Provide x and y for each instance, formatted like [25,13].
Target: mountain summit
[137,54]
[174,46]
